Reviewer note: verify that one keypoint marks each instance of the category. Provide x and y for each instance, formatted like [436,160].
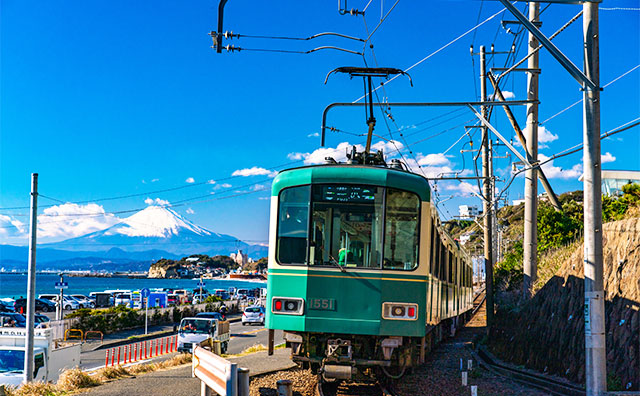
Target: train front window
[293,225]
[401,230]
[346,226]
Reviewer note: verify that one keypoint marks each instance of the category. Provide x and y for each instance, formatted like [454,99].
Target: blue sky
[108,99]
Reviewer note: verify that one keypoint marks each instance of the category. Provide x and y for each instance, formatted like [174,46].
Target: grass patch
[75,379]
[253,349]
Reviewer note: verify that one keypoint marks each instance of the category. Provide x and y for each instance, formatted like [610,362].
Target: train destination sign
[357,194]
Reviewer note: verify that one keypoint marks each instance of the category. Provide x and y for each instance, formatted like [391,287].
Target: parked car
[199,298]
[253,315]
[50,297]
[183,295]
[209,315]
[173,299]
[85,301]
[242,294]
[7,318]
[42,305]
[123,299]
[223,294]
[69,302]
[6,305]
[42,320]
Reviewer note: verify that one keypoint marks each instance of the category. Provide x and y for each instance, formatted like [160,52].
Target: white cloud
[154,180]
[225,185]
[556,172]
[339,153]
[10,227]
[254,171]
[190,211]
[545,135]
[258,187]
[157,201]
[264,198]
[315,134]
[438,159]
[211,181]
[607,157]
[190,180]
[465,189]
[72,220]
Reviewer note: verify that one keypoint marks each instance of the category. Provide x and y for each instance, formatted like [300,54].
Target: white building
[613,180]
[240,258]
[468,212]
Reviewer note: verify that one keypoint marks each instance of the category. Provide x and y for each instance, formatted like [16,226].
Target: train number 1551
[324,304]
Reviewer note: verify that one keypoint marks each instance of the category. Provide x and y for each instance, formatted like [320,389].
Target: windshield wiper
[334,262]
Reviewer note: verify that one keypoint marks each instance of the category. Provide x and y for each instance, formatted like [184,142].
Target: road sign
[62,285]
[200,284]
[144,293]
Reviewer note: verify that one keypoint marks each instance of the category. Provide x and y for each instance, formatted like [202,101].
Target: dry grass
[75,379]
[550,262]
[114,372]
[33,389]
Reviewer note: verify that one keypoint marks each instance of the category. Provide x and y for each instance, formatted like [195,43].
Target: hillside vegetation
[556,312]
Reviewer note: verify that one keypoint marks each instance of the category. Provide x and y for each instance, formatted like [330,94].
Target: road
[241,338]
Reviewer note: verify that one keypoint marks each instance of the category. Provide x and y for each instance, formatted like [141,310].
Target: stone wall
[547,333]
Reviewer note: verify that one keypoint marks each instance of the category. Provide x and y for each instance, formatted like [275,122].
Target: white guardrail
[218,374]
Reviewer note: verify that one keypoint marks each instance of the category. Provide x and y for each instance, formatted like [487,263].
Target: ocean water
[15,285]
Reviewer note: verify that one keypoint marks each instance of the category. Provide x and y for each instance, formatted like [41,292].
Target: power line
[580,101]
[438,50]
[190,185]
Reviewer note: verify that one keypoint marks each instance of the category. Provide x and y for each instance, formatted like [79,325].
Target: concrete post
[594,325]
[487,204]
[31,282]
[530,242]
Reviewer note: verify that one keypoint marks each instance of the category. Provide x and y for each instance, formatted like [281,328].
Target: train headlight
[287,305]
[399,311]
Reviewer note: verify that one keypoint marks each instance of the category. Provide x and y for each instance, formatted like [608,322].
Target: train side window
[401,230]
[293,225]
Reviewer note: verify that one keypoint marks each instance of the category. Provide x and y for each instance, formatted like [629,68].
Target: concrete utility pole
[530,243]
[31,282]
[487,204]
[595,356]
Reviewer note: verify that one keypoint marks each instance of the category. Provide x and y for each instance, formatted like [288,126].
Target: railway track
[353,389]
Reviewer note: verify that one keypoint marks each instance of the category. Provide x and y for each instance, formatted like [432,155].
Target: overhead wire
[580,101]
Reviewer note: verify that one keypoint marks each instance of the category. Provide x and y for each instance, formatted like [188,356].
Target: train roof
[352,174]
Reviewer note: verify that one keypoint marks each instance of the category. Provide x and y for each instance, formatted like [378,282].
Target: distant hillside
[149,235]
[190,266]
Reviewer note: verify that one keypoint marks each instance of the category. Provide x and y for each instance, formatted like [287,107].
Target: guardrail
[143,350]
[218,374]
[69,333]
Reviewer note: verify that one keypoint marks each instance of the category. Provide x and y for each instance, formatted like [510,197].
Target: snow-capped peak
[155,221]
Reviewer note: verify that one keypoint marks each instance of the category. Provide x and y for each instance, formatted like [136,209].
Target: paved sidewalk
[178,382]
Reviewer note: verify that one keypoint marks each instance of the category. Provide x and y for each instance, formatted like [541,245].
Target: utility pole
[31,282]
[487,204]
[530,243]
[595,356]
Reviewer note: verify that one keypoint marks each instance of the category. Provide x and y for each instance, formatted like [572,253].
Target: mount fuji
[161,228]
[148,235]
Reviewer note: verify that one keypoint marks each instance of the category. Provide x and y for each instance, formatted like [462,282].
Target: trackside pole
[530,240]
[594,324]
[31,282]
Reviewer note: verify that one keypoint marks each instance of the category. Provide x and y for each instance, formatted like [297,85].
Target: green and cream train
[362,278]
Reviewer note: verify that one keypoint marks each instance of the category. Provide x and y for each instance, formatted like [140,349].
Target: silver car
[253,314]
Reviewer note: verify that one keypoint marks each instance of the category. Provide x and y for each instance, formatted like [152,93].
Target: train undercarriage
[354,357]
